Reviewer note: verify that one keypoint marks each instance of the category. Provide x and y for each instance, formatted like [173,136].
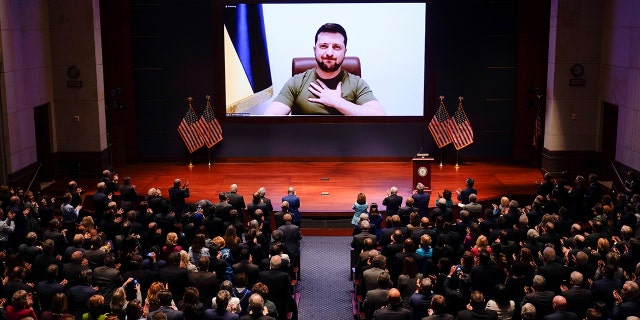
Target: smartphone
[135,282]
[459,269]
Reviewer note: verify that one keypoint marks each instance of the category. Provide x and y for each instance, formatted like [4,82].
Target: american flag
[460,129]
[537,130]
[438,126]
[188,131]
[209,127]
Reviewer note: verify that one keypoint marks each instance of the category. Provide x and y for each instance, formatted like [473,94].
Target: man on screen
[327,89]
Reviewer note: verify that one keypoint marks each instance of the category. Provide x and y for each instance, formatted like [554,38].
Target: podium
[422,172]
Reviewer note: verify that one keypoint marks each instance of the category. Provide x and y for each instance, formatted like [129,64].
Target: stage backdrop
[474,56]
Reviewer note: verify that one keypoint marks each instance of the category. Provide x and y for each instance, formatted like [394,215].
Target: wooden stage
[326,189]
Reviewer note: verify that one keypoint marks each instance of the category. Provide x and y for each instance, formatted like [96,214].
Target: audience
[566,256]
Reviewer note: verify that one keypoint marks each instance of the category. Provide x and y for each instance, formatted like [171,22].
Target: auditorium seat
[302,64]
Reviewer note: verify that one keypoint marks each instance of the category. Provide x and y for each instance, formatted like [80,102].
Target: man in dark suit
[262,192]
[291,239]
[578,298]
[560,306]
[48,288]
[627,302]
[394,309]
[279,284]
[176,277]
[206,282]
[474,208]
[404,212]
[539,298]
[101,201]
[107,277]
[110,180]
[79,295]
[357,243]
[370,276]
[164,296]
[393,201]
[441,210]
[603,289]
[377,298]
[144,276]
[223,207]
[71,270]
[128,195]
[421,200]
[294,205]
[247,267]
[177,196]
[236,200]
[478,311]
[463,195]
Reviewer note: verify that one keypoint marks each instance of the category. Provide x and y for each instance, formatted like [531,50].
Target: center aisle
[324,286]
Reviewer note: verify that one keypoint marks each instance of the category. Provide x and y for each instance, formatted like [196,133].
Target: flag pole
[460,98]
[190,99]
[208,97]
[440,157]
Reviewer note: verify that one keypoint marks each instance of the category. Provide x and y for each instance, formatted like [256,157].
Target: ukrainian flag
[247,72]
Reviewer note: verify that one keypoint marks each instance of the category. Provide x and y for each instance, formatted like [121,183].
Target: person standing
[359,207]
[177,196]
[294,205]
[463,195]
[393,201]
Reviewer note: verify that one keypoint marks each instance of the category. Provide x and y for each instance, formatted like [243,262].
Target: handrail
[34,177]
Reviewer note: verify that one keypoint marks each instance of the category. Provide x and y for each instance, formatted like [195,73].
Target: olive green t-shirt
[296,94]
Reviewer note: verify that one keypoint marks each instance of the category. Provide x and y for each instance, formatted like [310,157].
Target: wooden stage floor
[324,187]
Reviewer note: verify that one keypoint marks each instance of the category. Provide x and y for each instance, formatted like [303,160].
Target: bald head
[393,297]
[559,303]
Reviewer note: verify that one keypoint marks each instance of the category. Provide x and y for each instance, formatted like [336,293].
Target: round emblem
[422,171]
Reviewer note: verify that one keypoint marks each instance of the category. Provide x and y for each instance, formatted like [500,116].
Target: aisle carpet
[324,286]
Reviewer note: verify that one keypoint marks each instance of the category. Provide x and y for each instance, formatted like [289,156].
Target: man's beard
[326,68]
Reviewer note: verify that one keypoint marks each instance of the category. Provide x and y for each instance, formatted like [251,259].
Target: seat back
[302,64]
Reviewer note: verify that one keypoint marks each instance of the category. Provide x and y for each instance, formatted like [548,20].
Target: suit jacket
[46,290]
[357,243]
[375,299]
[625,309]
[177,198]
[561,315]
[475,210]
[294,206]
[578,300]
[251,270]
[177,278]
[291,239]
[477,315]
[222,210]
[100,203]
[171,314]
[207,284]
[279,284]
[392,314]
[421,201]
[370,278]
[107,279]
[78,297]
[464,194]
[542,300]
[128,197]
[393,203]
[554,273]
[236,201]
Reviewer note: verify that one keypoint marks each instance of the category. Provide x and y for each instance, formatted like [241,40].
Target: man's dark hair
[332,28]
[438,304]
[159,316]
[164,296]
[203,263]
[174,258]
